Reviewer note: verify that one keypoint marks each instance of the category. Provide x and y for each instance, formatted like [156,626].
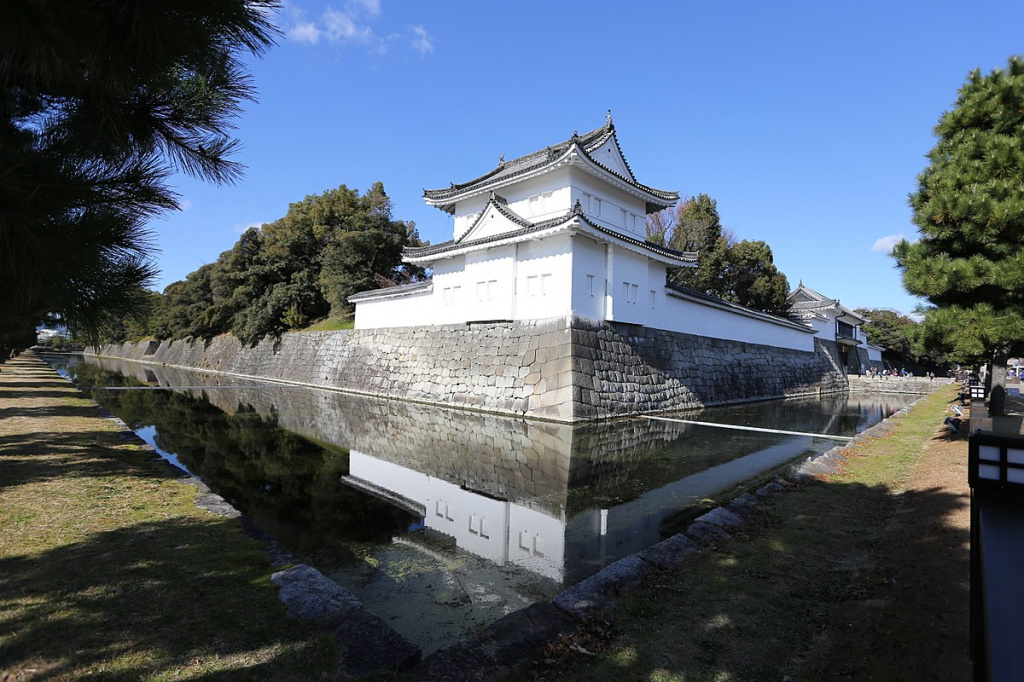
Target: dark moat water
[442,520]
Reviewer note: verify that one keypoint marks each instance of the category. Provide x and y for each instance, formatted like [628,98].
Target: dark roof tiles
[507,170]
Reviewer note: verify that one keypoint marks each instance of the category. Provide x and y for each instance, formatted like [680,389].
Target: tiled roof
[400,290]
[528,228]
[508,170]
[804,300]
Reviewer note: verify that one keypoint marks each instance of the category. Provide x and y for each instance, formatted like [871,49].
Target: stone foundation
[889,384]
[562,369]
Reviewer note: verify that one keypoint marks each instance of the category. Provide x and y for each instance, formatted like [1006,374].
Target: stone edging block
[670,553]
[597,593]
[503,643]
[366,643]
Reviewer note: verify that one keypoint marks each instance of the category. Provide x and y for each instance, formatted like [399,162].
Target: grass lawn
[332,325]
[108,569]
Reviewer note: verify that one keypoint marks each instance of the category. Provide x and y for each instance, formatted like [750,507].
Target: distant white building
[561,232]
[835,322]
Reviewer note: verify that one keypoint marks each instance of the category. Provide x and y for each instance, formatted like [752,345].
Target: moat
[440,520]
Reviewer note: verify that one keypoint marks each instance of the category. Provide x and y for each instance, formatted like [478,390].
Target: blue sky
[808,122]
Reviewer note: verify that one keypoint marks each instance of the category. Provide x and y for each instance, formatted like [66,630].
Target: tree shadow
[158,596]
[42,456]
[51,410]
[65,386]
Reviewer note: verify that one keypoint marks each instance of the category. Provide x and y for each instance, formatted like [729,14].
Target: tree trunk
[997,392]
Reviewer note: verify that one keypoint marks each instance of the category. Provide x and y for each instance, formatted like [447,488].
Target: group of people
[876,373]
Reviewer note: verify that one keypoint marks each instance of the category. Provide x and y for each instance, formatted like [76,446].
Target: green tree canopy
[891,331]
[100,101]
[697,227]
[297,269]
[740,272]
[969,210]
[751,278]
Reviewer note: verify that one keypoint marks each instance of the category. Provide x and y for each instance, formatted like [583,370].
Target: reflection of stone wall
[530,463]
[552,369]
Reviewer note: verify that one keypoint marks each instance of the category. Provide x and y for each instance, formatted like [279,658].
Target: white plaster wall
[489,282]
[826,327]
[408,311]
[693,318]
[518,197]
[541,198]
[451,292]
[544,278]
[466,212]
[608,156]
[627,287]
[588,285]
[655,297]
[613,203]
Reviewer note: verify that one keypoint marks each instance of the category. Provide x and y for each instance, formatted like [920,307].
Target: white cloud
[422,41]
[885,244]
[351,25]
[184,204]
[371,7]
[305,32]
[343,27]
[240,228]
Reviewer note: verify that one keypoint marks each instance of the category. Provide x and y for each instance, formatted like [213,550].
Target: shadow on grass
[43,456]
[46,381]
[51,410]
[835,581]
[149,599]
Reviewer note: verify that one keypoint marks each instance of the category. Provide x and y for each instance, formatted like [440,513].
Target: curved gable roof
[805,301]
[584,145]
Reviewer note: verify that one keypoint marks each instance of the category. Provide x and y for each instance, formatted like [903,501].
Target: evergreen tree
[751,278]
[294,270]
[698,228]
[969,209]
[891,331]
[740,272]
[100,100]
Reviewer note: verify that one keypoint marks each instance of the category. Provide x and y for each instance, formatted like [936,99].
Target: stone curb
[366,644]
[597,593]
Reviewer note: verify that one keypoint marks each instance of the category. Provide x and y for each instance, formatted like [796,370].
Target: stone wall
[886,384]
[563,369]
[627,369]
[509,368]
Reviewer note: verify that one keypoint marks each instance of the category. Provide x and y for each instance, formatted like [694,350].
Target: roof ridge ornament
[608,120]
[578,208]
[501,159]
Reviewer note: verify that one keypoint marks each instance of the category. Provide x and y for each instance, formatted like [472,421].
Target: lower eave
[575,224]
